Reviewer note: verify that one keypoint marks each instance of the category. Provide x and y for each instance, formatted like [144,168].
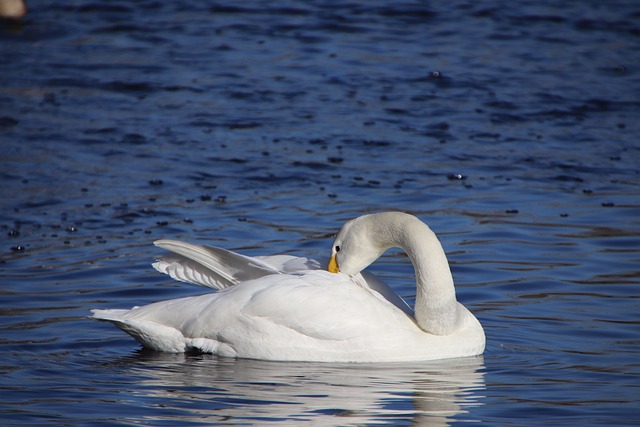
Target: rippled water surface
[510,127]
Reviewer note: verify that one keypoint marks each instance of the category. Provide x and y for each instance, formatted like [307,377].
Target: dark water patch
[603,25]
[107,66]
[101,131]
[259,95]
[39,204]
[133,139]
[7,122]
[130,216]
[136,88]
[405,13]
[567,178]
[205,177]
[126,87]
[502,105]
[507,118]
[233,10]
[537,19]
[273,178]
[234,160]
[616,71]
[585,109]
[366,143]
[203,124]
[124,28]
[485,135]
[94,7]
[243,125]
[371,183]
[332,25]
[232,125]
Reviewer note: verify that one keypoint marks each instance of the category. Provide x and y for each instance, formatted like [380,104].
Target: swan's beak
[333,265]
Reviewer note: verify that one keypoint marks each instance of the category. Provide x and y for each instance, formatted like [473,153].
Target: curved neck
[436,305]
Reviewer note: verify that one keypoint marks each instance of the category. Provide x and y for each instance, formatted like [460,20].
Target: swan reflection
[210,390]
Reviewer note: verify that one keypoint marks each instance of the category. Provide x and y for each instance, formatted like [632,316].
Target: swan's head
[361,241]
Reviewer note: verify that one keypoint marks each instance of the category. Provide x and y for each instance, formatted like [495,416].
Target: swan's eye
[337,248]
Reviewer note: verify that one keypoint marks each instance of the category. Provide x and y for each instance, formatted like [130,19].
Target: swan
[286,308]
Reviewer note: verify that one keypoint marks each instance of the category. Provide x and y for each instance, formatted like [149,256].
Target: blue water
[510,127]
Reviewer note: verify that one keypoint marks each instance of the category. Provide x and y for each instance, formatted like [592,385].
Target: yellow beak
[333,265]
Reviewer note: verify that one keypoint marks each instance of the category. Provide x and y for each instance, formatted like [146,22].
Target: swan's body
[286,308]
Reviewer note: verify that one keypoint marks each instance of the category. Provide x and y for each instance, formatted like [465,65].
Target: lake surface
[511,128]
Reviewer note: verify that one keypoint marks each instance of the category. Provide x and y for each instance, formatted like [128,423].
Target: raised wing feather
[185,270]
[208,265]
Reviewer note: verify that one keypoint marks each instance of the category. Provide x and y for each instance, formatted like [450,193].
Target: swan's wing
[186,270]
[370,281]
[289,264]
[208,265]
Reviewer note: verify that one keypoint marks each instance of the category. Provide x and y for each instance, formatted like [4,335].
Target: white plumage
[286,308]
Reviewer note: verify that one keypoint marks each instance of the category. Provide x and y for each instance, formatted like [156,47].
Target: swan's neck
[436,305]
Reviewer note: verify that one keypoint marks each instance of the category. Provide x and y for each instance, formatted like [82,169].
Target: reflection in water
[208,389]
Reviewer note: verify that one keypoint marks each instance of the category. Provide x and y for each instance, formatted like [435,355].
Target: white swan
[286,308]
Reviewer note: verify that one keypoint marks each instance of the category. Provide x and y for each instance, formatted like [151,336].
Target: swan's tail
[150,334]
[154,336]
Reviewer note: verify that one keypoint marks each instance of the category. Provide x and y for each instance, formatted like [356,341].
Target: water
[512,129]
